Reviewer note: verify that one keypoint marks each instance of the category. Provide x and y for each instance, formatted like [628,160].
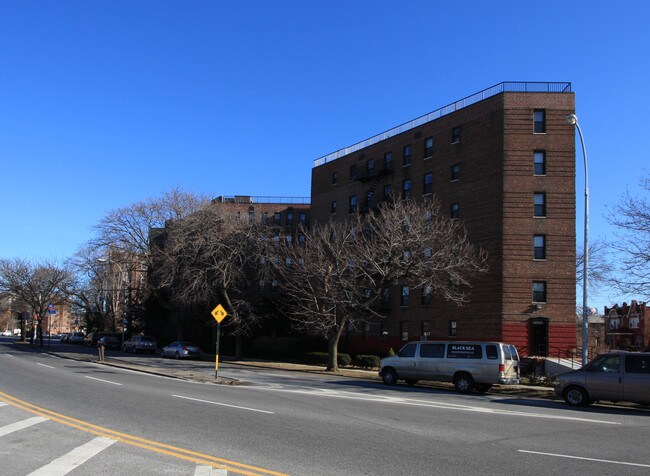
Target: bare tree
[34,286]
[123,243]
[600,269]
[632,218]
[210,257]
[337,274]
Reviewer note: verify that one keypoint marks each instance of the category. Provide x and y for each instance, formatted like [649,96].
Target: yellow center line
[162,448]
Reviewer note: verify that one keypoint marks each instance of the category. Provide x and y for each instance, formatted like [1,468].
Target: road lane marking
[209,471]
[102,380]
[19,425]
[597,460]
[157,447]
[321,392]
[43,365]
[74,458]
[223,404]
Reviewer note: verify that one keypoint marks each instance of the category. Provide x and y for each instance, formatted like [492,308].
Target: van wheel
[483,387]
[411,381]
[576,396]
[389,376]
[464,383]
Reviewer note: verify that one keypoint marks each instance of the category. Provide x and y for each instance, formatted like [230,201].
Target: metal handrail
[506,86]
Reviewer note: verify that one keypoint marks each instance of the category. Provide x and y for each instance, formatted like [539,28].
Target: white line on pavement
[5,430]
[74,458]
[597,460]
[43,365]
[102,380]
[209,471]
[223,404]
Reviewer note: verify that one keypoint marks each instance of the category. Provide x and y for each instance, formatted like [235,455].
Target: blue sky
[105,103]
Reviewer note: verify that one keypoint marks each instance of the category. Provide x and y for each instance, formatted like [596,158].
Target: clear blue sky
[105,103]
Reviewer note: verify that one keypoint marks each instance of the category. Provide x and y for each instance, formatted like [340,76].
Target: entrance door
[539,336]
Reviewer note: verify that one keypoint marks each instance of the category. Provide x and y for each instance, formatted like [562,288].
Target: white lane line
[597,460]
[223,404]
[102,380]
[5,430]
[43,365]
[209,471]
[74,458]
[424,403]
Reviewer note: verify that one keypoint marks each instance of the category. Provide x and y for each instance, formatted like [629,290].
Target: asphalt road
[56,410]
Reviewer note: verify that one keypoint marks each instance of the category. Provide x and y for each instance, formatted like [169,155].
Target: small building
[627,327]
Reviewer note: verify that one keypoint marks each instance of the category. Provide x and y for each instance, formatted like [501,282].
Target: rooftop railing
[509,86]
[264,199]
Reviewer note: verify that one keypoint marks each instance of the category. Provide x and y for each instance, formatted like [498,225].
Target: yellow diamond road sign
[219,313]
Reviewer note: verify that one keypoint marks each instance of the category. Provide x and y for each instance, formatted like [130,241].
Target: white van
[470,365]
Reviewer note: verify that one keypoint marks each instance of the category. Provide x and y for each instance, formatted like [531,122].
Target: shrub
[542,380]
[321,358]
[366,361]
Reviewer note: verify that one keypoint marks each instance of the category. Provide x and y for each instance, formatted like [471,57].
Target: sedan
[109,342]
[181,350]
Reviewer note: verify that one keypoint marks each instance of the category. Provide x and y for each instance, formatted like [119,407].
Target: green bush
[366,361]
[321,358]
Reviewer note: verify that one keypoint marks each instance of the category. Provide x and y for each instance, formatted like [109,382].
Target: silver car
[140,344]
[182,350]
[616,376]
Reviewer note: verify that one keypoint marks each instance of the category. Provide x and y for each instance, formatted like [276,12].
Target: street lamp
[573,120]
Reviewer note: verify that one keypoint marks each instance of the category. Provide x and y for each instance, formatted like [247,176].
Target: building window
[353,173]
[407,155]
[333,207]
[428,147]
[353,203]
[370,199]
[302,239]
[388,192]
[427,292]
[404,330]
[455,135]
[289,221]
[406,189]
[384,300]
[335,177]
[539,245]
[303,218]
[539,161]
[428,184]
[539,291]
[388,161]
[426,330]
[404,297]
[251,216]
[539,119]
[453,328]
[455,210]
[455,172]
[277,218]
[540,204]
[370,167]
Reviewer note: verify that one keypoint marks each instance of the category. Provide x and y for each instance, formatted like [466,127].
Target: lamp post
[573,120]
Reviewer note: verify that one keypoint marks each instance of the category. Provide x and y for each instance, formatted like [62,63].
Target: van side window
[491,352]
[513,352]
[637,364]
[608,363]
[464,351]
[408,350]
[436,351]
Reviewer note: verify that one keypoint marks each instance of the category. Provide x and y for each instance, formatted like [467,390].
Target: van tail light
[502,368]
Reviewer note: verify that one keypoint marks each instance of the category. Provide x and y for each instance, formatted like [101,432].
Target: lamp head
[572,119]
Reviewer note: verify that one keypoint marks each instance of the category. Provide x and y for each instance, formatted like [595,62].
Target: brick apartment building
[503,162]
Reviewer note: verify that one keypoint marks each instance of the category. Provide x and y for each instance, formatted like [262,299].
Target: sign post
[219,313]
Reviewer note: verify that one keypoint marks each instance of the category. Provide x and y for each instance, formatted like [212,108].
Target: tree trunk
[333,347]
[238,347]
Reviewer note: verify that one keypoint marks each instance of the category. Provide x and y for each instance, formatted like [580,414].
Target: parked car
[469,365]
[92,337]
[109,342]
[182,350]
[140,344]
[617,376]
[76,338]
[64,337]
